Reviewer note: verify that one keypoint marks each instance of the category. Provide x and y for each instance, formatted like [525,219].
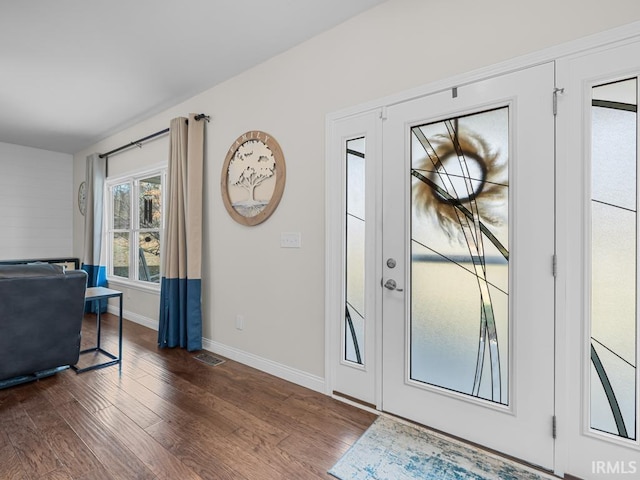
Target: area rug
[391,450]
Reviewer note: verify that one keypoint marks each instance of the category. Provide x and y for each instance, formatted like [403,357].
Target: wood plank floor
[169,416]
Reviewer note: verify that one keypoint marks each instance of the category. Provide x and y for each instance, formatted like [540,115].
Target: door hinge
[556,91]
[554,265]
[554,427]
[383,113]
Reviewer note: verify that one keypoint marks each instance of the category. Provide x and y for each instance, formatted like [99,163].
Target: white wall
[399,45]
[36,203]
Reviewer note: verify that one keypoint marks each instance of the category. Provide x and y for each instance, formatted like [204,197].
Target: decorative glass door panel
[459,254]
[468,314]
[613,346]
[355,252]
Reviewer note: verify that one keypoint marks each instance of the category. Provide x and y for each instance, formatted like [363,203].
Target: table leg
[98,349]
[98,325]
[120,338]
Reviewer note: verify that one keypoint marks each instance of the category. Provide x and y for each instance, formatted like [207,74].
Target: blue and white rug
[391,450]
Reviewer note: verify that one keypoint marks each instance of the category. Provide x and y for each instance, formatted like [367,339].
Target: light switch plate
[290,240]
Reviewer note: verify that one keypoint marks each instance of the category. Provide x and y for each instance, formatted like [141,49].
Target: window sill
[140,286]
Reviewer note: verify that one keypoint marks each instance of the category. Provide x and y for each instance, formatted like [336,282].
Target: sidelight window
[613,344]
[355,252]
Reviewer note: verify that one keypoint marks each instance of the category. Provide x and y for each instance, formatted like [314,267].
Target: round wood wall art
[253,177]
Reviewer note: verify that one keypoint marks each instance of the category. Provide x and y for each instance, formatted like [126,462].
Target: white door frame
[333,215]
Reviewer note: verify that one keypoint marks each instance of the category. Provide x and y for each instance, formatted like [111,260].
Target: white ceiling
[73,72]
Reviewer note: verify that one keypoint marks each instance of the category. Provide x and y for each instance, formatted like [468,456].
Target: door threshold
[354,401]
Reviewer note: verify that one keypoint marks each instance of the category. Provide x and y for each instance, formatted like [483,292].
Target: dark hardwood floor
[169,416]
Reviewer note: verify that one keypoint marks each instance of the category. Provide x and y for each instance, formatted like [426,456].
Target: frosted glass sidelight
[613,343]
[355,243]
[459,255]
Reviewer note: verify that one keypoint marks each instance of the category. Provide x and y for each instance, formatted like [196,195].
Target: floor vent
[208,359]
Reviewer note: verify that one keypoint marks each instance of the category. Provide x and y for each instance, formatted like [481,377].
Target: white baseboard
[134,317]
[276,369]
[279,370]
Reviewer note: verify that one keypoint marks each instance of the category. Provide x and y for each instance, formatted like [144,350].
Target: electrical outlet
[239,322]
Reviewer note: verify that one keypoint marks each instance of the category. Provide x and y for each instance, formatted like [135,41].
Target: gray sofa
[41,310]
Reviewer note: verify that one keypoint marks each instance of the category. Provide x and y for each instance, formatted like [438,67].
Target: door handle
[392,285]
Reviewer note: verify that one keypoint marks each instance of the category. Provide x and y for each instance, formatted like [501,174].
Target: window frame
[133,178]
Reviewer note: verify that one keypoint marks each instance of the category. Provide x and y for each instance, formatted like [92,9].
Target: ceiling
[73,72]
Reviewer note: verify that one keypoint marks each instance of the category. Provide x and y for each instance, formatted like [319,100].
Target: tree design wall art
[253,177]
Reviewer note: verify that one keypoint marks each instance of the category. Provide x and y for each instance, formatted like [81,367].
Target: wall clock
[82,198]
[253,177]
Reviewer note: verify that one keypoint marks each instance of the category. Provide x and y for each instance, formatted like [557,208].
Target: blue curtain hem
[180,319]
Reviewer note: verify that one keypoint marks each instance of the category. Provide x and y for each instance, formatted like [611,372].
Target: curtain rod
[138,142]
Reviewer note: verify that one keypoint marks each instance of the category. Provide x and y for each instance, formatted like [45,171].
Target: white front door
[468,246]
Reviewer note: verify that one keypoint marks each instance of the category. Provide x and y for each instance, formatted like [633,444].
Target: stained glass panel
[613,350]
[459,255]
[355,252]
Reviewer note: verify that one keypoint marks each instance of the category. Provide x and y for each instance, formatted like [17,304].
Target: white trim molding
[134,317]
[276,369]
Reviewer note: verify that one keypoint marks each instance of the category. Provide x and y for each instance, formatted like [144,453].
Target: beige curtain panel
[180,296]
